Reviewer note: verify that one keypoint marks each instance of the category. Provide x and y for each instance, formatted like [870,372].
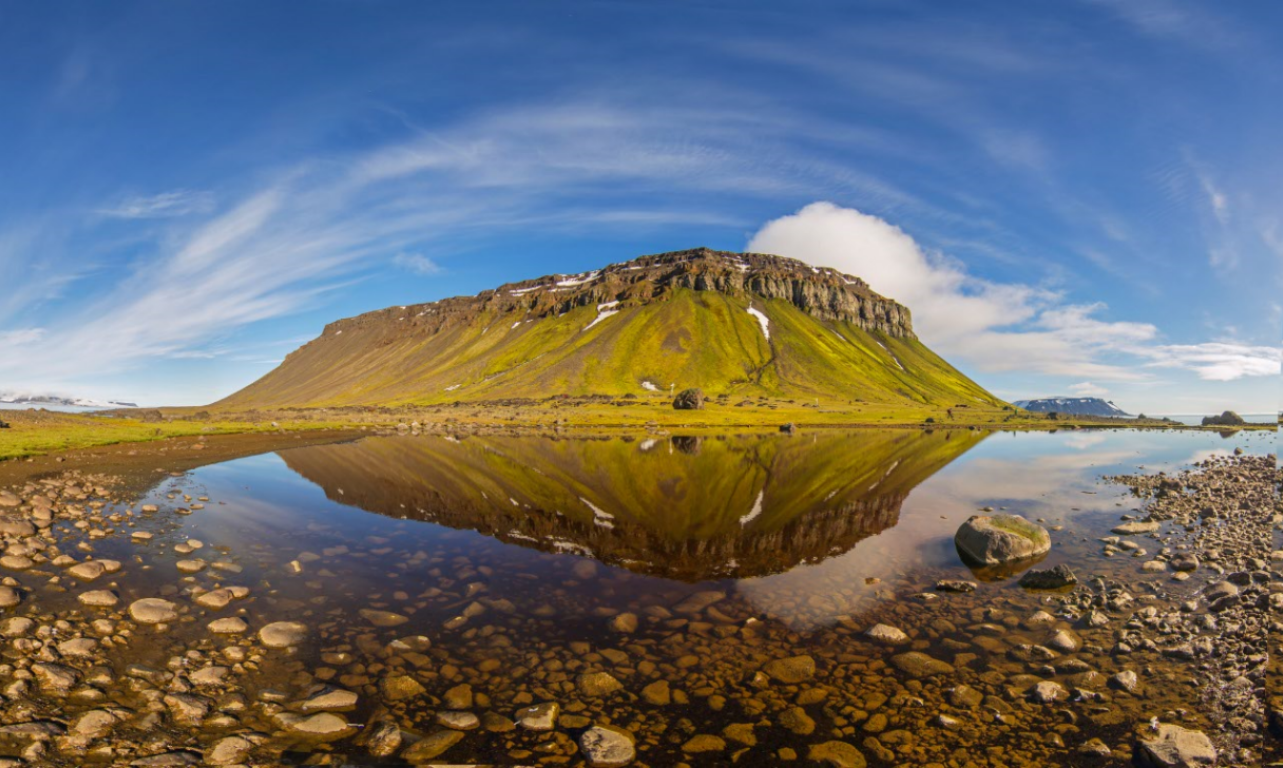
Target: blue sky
[1071,197]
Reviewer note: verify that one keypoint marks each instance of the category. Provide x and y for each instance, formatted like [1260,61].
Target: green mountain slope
[741,324]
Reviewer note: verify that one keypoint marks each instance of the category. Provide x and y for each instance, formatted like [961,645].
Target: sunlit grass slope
[685,339]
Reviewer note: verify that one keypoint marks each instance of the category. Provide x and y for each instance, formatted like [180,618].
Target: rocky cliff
[820,292]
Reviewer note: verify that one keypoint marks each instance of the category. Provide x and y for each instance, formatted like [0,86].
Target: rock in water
[689,400]
[1172,746]
[1052,578]
[836,754]
[886,634]
[607,747]
[918,665]
[1000,539]
[432,746]
[791,671]
[1135,527]
[282,634]
[153,610]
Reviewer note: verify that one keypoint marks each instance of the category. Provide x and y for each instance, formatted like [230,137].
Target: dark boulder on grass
[689,400]
[1226,419]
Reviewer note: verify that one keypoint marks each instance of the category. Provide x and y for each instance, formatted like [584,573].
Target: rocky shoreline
[128,641]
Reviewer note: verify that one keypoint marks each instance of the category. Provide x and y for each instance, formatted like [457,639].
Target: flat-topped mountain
[739,323]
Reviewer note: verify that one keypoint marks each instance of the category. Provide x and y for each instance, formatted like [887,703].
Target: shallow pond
[678,566]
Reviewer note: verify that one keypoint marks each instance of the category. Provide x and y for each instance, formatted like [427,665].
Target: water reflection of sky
[269,514]
[1051,477]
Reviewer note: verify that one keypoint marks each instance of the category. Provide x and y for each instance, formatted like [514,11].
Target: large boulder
[689,400]
[989,540]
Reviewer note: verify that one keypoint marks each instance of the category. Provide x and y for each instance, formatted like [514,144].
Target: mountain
[681,507]
[20,398]
[1076,406]
[736,323]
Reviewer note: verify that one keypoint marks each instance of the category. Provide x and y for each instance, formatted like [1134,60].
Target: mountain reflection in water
[682,507]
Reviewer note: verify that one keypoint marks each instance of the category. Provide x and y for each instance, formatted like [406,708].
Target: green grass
[33,433]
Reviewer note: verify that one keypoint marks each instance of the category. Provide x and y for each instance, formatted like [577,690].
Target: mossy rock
[988,540]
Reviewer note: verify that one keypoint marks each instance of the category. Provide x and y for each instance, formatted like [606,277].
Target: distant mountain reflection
[692,508]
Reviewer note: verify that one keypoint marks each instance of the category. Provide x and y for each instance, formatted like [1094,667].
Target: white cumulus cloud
[996,327]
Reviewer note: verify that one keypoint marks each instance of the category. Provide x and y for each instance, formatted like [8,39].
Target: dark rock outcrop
[689,400]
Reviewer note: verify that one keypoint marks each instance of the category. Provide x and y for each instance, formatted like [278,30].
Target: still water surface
[515,556]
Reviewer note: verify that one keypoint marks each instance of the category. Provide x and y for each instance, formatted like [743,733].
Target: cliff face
[822,293]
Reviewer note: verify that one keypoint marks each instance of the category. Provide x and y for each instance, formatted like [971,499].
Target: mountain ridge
[1076,406]
[752,324]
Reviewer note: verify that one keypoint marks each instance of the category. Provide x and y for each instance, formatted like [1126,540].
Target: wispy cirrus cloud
[179,202]
[416,263]
[314,227]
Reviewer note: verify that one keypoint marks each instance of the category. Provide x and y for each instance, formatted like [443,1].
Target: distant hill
[1076,406]
[16,398]
[736,323]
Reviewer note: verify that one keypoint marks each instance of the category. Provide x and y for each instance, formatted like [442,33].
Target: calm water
[513,554]
[763,515]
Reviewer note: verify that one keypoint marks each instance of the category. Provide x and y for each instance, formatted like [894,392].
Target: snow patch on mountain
[762,320]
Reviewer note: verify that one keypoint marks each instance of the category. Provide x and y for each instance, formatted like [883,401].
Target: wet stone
[704,743]
[1171,746]
[606,746]
[383,618]
[886,635]
[459,721]
[400,688]
[230,625]
[699,601]
[324,725]
[595,684]
[283,634]
[1058,577]
[836,754]
[153,610]
[540,717]
[791,670]
[432,746]
[917,665]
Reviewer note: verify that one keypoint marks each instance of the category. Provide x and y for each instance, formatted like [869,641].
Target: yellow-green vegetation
[686,338]
[35,432]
